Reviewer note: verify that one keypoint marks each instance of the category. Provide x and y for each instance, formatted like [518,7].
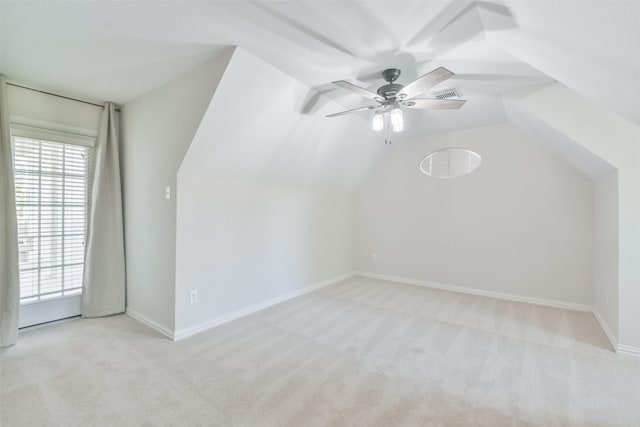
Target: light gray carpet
[358,353]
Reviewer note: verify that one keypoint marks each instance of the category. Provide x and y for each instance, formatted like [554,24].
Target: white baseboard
[618,348]
[187,332]
[150,323]
[607,331]
[473,291]
[627,349]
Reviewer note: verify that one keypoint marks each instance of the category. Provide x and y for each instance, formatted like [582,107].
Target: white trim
[187,332]
[627,349]
[617,348]
[43,124]
[150,323]
[49,310]
[40,129]
[607,331]
[46,324]
[49,298]
[473,291]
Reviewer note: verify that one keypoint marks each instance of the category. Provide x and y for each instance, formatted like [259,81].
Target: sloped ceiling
[558,142]
[106,50]
[591,47]
[272,141]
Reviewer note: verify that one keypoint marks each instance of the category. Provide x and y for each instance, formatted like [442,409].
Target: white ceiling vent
[450,92]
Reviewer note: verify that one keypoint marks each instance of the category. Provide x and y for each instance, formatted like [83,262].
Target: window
[52,201]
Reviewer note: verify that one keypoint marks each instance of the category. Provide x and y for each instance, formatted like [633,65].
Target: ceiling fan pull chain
[387,128]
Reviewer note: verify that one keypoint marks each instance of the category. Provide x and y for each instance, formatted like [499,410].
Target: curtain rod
[58,95]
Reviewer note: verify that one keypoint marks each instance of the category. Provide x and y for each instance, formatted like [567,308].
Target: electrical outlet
[167,192]
[374,257]
[193,296]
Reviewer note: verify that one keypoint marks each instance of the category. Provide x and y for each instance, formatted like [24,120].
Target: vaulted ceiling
[107,50]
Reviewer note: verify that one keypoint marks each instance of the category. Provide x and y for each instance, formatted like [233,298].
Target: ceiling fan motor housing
[390,90]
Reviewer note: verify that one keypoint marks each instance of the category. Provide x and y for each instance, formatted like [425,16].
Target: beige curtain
[103,291]
[9,270]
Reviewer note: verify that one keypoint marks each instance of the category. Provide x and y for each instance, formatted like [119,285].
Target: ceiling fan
[392,97]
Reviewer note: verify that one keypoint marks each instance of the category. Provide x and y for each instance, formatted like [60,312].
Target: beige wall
[521,224]
[157,129]
[615,140]
[240,244]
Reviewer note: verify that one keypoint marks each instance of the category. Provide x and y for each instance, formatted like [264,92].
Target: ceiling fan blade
[424,83]
[368,107]
[433,103]
[359,90]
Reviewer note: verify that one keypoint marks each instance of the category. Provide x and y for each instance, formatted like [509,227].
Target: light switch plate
[193,296]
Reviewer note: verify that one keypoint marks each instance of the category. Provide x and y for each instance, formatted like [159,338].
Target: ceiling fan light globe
[377,124]
[397,120]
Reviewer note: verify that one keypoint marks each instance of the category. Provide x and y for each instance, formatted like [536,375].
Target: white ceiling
[119,50]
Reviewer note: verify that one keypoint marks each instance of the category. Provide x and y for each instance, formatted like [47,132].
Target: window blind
[51,181]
